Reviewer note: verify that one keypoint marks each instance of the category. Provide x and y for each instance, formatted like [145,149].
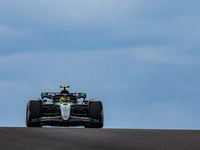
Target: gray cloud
[164,55]
[80,25]
[135,56]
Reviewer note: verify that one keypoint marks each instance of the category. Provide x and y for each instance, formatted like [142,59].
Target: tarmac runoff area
[22,138]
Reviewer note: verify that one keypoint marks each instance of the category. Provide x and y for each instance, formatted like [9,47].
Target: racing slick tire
[96,112]
[33,111]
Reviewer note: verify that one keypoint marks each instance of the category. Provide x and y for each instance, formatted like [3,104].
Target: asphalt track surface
[97,139]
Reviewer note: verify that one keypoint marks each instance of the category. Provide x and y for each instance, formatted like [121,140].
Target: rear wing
[52,94]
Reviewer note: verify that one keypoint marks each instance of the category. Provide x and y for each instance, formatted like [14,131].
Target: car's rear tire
[96,112]
[33,112]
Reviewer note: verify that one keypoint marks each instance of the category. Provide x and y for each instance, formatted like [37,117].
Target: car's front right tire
[33,111]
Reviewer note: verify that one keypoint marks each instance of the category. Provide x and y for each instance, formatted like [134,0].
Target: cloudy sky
[140,58]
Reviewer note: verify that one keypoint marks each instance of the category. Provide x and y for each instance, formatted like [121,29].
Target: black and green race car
[64,109]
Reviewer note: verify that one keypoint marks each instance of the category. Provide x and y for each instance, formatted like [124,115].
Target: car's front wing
[58,121]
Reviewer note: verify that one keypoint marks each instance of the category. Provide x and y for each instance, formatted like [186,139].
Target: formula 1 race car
[64,109]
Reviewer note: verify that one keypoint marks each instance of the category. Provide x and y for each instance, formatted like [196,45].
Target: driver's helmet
[63,99]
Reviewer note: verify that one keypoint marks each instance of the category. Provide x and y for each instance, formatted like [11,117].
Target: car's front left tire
[96,113]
